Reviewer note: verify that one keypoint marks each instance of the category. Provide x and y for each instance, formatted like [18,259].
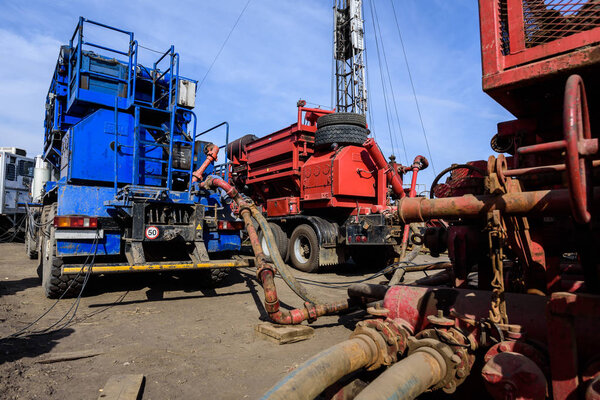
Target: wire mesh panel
[548,20]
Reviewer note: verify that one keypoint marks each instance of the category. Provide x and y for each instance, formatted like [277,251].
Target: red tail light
[75,222]
[230,225]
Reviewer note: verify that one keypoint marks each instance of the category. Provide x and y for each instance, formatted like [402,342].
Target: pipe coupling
[389,337]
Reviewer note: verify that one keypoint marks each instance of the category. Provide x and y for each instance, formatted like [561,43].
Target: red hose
[211,156]
[266,272]
[393,177]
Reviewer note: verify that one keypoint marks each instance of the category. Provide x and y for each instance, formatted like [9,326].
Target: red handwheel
[579,144]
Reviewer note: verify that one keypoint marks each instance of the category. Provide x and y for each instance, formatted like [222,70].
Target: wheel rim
[265,248]
[302,250]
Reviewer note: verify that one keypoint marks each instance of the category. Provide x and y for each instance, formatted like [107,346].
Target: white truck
[16,176]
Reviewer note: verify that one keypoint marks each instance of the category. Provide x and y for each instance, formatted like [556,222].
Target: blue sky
[280,52]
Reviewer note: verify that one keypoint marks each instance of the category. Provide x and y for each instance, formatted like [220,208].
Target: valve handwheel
[578,144]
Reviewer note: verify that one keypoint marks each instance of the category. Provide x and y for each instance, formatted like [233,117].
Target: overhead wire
[224,43]
[390,83]
[410,78]
[385,100]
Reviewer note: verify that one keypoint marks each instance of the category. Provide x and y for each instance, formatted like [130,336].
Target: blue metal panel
[110,244]
[216,241]
[83,200]
[91,148]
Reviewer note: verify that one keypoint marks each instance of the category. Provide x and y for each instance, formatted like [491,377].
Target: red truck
[322,183]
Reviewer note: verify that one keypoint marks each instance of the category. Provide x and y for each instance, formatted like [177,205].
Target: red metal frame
[522,63]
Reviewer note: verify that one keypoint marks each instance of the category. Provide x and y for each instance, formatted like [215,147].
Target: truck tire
[56,285]
[281,240]
[214,277]
[342,118]
[30,243]
[304,249]
[340,134]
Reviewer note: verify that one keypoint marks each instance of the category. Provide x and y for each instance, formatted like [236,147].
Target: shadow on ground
[14,349]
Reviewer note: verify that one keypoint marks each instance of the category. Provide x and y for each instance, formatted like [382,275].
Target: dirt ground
[188,341]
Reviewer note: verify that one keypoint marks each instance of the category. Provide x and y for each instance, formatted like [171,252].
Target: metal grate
[553,19]
[548,20]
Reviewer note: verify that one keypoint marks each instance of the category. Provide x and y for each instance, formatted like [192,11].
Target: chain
[496,241]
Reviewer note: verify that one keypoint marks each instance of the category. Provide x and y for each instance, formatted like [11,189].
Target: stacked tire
[342,129]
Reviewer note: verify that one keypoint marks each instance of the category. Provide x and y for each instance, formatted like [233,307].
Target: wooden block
[71,355]
[123,387]
[283,334]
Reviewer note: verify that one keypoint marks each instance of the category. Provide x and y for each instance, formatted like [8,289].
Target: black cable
[224,43]
[47,329]
[391,85]
[383,86]
[413,87]
[452,168]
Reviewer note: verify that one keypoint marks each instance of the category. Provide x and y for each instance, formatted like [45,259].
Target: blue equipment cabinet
[121,139]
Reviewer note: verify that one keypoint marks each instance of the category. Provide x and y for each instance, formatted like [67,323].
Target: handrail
[98,46]
[193,135]
[226,144]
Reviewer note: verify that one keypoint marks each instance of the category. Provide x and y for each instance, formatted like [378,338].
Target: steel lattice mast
[349,48]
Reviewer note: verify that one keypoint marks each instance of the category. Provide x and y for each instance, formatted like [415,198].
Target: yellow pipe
[121,268]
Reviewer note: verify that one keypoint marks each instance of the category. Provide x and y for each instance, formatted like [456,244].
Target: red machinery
[323,186]
[519,314]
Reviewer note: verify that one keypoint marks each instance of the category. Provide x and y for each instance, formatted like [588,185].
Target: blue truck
[122,144]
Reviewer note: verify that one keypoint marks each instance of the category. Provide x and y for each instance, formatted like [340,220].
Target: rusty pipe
[393,178]
[408,378]
[211,156]
[266,272]
[321,371]
[541,202]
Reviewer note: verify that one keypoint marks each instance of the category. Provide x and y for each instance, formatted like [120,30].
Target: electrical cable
[391,85]
[385,100]
[47,330]
[413,87]
[224,43]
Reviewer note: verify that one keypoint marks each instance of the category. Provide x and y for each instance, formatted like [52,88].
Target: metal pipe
[541,202]
[266,272]
[393,177]
[406,379]
[321,371]
[211,156]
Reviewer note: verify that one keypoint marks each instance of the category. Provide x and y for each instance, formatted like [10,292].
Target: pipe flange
[448,359]
[389,338]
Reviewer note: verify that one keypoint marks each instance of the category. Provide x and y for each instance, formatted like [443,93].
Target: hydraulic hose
[321,371]
[282,267]
[265,271]
[406,379]
[211,156]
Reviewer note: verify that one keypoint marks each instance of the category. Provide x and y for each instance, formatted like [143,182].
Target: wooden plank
[123,387]
[283,334]
[68,356]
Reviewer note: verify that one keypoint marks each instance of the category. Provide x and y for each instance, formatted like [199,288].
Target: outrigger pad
[284,334]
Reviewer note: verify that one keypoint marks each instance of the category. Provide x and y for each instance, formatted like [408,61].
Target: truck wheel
[281,240]
[340,134]
[342,118]
[304,249]
[55,284]
[30,245]
[214,277]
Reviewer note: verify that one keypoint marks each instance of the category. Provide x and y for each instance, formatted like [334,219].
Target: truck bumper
[98,269]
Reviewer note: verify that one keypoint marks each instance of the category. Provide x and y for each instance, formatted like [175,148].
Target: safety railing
[223,168]
[76,74]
